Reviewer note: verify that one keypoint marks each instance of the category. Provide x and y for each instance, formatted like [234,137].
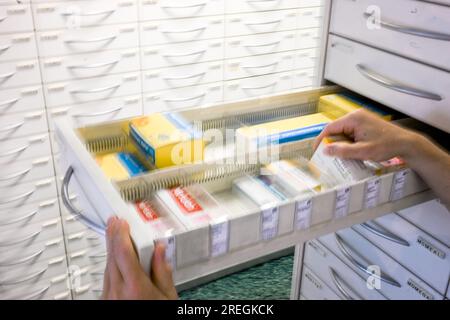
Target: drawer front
[244,46]
[169,55]
[72,41]
[305,78]
[393,33]
[30,214]
[21,99]
[20,46]
[89,65]
[79,91]
[75,14]
[22,124]
[256,86]
[391,80]
[241,6]
[397,283]
[25,193]
[337,275]
[21,73]
[411,247]
[314,288]
[309,38]
[83,239]
[13,150]
[90,281]
[259,65]
[87,257]
[98,111]
[181,30]
[15,18]
[182,76]
[183,98]
[307,58]
[166,9]
[26,171]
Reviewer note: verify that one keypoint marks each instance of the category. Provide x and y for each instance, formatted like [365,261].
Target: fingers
[345,150]
[162,273]
[344,125]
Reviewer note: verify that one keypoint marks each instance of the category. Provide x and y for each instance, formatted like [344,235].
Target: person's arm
[379,140]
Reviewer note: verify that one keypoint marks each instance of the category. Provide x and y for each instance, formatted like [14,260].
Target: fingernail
[330,150]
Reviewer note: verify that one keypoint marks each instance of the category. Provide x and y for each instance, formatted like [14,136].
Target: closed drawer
[89,65]
[72,41]
[407,86]
[156,57]
[30,214]
[181,30]
[15,18]
[337,275]
[75,14]
[314,288]
[13,150]
[305,78]
[21,99]
[26,171]
[183,98]
[307,58]
[25,193]
[260,44]
[411,247]
[22,124]
[394,282]
[309,38]
[182,76]
[241,6]
[414,29]
[20,46]
[166,9]
[66,93]
[70,222]
[83,239]
[21,73]
[90,280]
[87,257]
[259,65]
[98,111]
[256,86]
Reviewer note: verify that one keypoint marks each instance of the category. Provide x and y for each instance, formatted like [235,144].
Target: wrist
[414,148]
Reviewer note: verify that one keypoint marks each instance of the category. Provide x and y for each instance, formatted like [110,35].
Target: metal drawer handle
[395,85]
[202,4]
[339,283]
[37,293]
[262,66]
[261,87]
[381,232]
[410,30]
[15,220]
[4,48]
[185,30]
[19,197]
[186,99]
[15,175]
[12,127]
[24,239]
[184,54]
[77,213]
[92,13]
[14,151]
[201,74]
[24,279]
[7,75]
[102,39]
[263,45]
[98,255]
[97,114]
[8,102]
[22,260]
[263,23]
[3,18]
[96,90]
[95,65]
[345,251]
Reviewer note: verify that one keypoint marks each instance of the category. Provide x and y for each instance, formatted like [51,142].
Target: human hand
[124,277]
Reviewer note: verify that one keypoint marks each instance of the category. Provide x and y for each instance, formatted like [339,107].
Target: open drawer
[240,229]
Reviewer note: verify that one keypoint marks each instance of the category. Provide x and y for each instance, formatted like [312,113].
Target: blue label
[131,164]
[142,145]
[294,135]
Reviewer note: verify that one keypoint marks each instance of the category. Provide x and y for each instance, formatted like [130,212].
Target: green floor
[271,280]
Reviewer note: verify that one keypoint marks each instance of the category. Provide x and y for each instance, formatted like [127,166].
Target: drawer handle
[15,220]
[24,239]
[263,45]
[345,251]
[381,232]
[15,175]
[102,39]
[8,102]
[177,55]
[98,255]
[201,74]
[22,260]
[261,66]
[395,85]
[14,151]
[24,279]
[410,30]
[19,197]
[185,30]
[37,293]
[263,23]
[3,18]
[87,14]
[186,99]
[339,283]
[95,65]
[77,213]
[260,87]
[12,126]
[183,6]
[96,90]
[97,114]
[4,48]
[7,75]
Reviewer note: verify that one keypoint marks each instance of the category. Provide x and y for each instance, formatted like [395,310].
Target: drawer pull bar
[19,197]
[263,23]
[186,99]
[184,54]
[201,74]
[261,87]
[4,48]
[395,85]
[95,65]
[79,215]
[15,220]
[96,90]
[183,6]
[24,239]
[8,102]
[98,255]
[7,75]
[15,175]
[383,277]
[87,14]
[381,232]
[24,279]
[410,30]
[185,30]
[22,260]
[97,114]
[109,38]
[37,293]
[14,151]
[3,18]
[262,45]
[339,283]
[12,127]
[262,66]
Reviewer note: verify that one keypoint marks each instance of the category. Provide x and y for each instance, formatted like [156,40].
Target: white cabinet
[21,99]
[169,9]
[18,46]
[21,73]
[15,18]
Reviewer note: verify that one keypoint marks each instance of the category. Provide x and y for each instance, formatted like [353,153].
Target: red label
[146,211]
[185,201]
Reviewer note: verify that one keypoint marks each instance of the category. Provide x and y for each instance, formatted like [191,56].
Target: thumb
[345,150]
[162,273]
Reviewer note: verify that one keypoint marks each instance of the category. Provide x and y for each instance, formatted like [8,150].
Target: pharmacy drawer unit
[183,98]
[89,65]
[89,282]
[76,14]
[79,91]
[305,78]
[166,9]
[241,6]
[72,41]
[414,29]
[15,17]
[17,149]
[337,275]
[19,73]
[25,215]
[394,281]
[21,99]
[314,288]
[390,80]
[175,54]
[16,125]
[182,76]
[87,256]
[26,171]
[83,239]
[18,46]
[309,38]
